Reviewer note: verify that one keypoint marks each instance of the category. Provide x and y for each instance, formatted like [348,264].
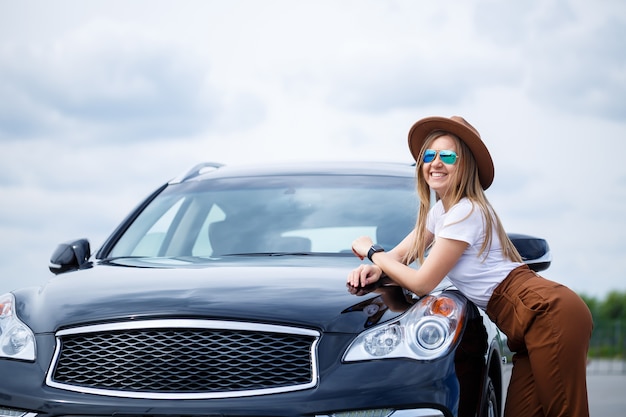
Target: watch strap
[374,249]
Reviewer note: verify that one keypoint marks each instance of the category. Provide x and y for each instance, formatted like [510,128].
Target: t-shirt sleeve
[463,222]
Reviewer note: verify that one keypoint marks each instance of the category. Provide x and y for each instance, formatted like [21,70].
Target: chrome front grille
[184,359]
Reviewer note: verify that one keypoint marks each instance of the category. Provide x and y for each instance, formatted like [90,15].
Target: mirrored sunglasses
[446,156]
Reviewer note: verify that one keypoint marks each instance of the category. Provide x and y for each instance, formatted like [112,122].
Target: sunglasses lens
[448,157]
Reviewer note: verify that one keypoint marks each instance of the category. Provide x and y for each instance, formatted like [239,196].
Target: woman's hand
[361,246]
[364,275]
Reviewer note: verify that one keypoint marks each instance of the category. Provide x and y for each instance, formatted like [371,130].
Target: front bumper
[422,412]
[410,388]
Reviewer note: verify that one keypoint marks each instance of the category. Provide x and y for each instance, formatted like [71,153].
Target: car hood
[305,291]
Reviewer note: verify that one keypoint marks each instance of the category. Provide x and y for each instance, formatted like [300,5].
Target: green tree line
[609,319]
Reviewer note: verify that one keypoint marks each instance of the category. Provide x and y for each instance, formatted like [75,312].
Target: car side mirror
[535,252]
[70,256]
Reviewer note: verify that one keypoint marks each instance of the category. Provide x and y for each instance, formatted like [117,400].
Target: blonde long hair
[468,185]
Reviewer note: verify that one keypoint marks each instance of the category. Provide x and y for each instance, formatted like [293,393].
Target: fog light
[383,412]
[12,412]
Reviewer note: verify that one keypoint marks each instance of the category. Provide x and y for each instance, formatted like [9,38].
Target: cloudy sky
[103,101]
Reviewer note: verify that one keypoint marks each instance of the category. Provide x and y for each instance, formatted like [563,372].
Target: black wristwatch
[374,249]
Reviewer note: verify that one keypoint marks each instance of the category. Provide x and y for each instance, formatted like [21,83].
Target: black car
[224,294]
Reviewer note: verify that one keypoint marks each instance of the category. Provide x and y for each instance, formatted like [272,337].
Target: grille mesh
[171,360]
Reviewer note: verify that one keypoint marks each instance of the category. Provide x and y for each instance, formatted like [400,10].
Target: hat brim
[457,126]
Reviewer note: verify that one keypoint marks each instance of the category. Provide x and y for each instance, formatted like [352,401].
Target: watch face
[374,249]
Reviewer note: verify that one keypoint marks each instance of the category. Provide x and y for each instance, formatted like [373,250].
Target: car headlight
[427,330]
[17,341]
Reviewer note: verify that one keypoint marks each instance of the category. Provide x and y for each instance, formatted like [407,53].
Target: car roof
[211,170]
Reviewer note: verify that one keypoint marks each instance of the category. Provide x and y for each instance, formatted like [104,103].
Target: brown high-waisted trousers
[548,328]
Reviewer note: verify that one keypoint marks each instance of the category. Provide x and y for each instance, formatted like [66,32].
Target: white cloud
[105,80]
[104,101]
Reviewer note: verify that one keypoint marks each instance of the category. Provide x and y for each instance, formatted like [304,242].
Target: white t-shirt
[476,276]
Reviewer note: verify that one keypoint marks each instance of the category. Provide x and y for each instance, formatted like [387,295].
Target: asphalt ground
[607,395]
[606,388]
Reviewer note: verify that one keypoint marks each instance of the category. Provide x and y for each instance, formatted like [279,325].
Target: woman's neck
[448,201]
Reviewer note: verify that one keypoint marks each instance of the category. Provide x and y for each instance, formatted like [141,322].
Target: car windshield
[319,214]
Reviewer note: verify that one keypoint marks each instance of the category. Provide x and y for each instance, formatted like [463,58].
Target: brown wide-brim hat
[459,127]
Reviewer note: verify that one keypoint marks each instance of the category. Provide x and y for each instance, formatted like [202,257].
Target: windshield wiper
[331,254]
[269,254]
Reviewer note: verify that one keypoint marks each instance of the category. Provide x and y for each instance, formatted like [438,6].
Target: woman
[548,326]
